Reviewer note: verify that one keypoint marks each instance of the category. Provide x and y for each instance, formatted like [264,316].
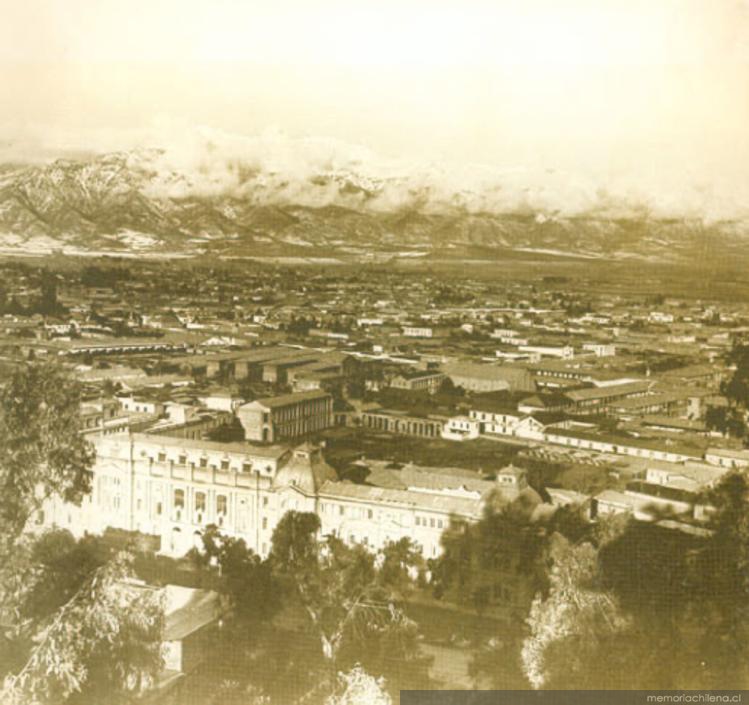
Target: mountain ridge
[127,202]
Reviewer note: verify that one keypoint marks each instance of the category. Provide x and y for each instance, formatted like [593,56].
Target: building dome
[306,470]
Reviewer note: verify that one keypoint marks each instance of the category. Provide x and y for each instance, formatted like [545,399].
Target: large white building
[175,487]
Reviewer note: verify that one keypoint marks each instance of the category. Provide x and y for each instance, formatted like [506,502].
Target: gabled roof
[425,501]
[187,610]
[610,391]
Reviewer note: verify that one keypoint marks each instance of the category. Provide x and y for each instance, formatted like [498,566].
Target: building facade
[289,416]
[174,488]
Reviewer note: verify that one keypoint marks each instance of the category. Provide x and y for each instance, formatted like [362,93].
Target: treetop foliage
[42,453]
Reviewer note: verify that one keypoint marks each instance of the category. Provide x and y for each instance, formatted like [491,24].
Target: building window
[204,462]
[200,501]
[224,464]
[265,522]
[183,460]
[221,504]
[246,467]
[418,521]
[162,457]
[370,514]
[179,499]
[265,501]
[158,509]
[341,510]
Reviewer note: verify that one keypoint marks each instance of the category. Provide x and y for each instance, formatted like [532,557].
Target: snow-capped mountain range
[145,201]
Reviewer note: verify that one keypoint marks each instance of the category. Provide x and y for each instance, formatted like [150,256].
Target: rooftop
[288,399]
[248,449]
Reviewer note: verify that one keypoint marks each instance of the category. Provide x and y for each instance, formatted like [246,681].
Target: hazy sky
[657,89]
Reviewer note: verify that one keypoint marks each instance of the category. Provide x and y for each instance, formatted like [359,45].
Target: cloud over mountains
[274,168]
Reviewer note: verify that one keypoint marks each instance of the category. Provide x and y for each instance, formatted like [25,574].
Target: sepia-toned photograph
[374,353]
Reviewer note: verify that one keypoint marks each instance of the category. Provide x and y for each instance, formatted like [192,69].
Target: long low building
[621,445]
[597,400]
[393,421]
[477,377]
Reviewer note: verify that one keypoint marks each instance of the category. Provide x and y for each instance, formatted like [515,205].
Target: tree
[357,687]
[348,604]
[42,453]
[498,560]
[60,565]
[732,420]
[737,388]
[721,570]
[729,421]
[649,570]
[577,613]
[450,389]
[401,564]
[48,304]
[102,645]
[245,579]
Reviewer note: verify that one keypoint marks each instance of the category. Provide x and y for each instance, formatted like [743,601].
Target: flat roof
[288,399]
[275,451]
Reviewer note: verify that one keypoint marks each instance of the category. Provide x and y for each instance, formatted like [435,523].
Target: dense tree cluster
[731,420]
[42,454]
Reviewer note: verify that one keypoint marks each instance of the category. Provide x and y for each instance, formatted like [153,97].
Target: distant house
[477,377]
[701,400]
[611,502]
[530,429]
[424,331]
[393,421]
[418,380]
[141,405]
[493,418]
[461,428]
[599,399]
[728,457]
[600,349]
[694,376]
[566,498]
[690,477]
[564,352]
[543,403]
[220,400]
